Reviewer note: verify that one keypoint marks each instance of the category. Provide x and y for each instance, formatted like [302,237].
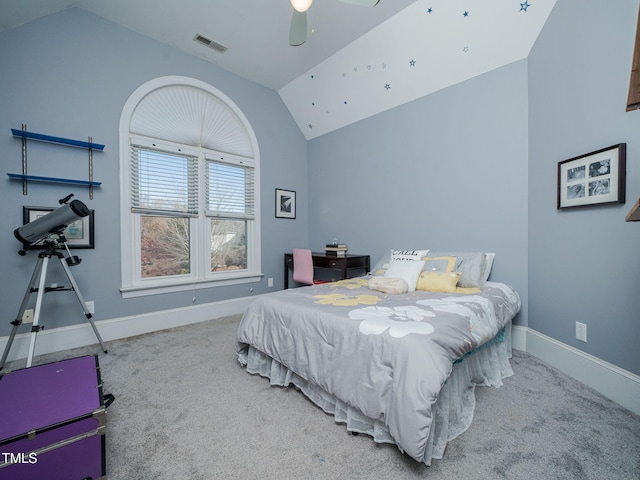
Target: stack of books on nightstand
[339,249]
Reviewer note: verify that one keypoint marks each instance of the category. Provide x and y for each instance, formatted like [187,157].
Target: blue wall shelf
[48,138]
[35,178]
[25,178]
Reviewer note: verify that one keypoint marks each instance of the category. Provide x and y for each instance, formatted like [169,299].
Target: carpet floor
[185,409]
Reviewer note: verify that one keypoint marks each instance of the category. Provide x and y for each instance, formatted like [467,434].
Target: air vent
[210,43]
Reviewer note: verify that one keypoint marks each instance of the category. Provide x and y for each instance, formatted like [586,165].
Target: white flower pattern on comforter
[397,322]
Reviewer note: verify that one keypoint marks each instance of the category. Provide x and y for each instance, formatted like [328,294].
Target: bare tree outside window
[164,246]
[228,245]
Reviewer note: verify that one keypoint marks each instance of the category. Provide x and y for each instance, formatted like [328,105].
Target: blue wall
[447,171]
[584,263]
[69,75]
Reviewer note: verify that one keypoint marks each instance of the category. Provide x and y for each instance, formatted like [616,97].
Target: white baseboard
[519,337]
[81,335]
[613,382]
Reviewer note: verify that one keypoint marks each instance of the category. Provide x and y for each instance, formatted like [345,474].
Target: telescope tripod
[39,276]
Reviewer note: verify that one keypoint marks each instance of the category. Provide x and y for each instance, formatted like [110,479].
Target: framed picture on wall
[594,178]
[285,203]
[79,234]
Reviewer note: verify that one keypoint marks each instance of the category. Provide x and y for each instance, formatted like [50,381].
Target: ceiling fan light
[301,5]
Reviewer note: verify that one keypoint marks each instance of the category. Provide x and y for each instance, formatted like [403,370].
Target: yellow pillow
[438,281]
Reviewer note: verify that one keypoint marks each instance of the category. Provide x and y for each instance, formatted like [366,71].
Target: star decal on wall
[358,73]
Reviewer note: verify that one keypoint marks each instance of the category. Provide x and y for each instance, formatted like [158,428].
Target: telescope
[52,223]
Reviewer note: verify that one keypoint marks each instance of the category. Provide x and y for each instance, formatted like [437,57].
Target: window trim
[131,286]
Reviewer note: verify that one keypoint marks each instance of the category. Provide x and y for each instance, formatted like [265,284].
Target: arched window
[189,171]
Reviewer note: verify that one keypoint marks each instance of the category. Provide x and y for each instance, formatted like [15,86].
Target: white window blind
[230,189]
[163,182]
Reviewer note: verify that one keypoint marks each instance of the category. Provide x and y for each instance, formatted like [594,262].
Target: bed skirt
[452,412]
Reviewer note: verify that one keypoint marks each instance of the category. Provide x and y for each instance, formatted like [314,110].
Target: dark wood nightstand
[346,266]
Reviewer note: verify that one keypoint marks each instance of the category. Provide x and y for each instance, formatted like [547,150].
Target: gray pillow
[472,267]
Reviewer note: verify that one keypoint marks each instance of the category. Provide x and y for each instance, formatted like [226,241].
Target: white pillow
[409,271]
[409,255]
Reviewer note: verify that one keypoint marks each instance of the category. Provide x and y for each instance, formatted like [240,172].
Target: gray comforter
[386,355]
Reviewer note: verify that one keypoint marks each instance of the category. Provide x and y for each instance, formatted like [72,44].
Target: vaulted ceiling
[356,62]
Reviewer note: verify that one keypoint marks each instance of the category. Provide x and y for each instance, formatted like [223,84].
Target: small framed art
[79,234]
[595,178]
[285,203]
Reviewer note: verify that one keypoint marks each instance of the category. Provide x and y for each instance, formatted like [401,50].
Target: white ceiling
[255,31]
[447,41]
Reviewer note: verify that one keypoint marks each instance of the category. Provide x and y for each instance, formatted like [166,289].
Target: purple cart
[53,419]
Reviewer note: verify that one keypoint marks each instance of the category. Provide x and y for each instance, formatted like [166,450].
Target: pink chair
[303,267]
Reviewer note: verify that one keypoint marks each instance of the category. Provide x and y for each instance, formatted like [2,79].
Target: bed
[385,355]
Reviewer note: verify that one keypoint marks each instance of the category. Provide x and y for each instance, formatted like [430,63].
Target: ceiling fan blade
[362,3]
[298,30]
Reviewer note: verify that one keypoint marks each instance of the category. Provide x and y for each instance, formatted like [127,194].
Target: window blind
[230,190]
[163,183]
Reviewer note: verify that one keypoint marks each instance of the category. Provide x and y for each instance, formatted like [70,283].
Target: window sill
[144,290]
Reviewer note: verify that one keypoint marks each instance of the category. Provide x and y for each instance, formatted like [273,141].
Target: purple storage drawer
[52,422]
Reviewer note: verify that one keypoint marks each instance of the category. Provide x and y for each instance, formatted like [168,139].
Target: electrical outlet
[270,282]
[91,306]
[27,316]
[581,331]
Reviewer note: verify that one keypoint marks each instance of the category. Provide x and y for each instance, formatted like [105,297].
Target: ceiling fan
[298,29]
